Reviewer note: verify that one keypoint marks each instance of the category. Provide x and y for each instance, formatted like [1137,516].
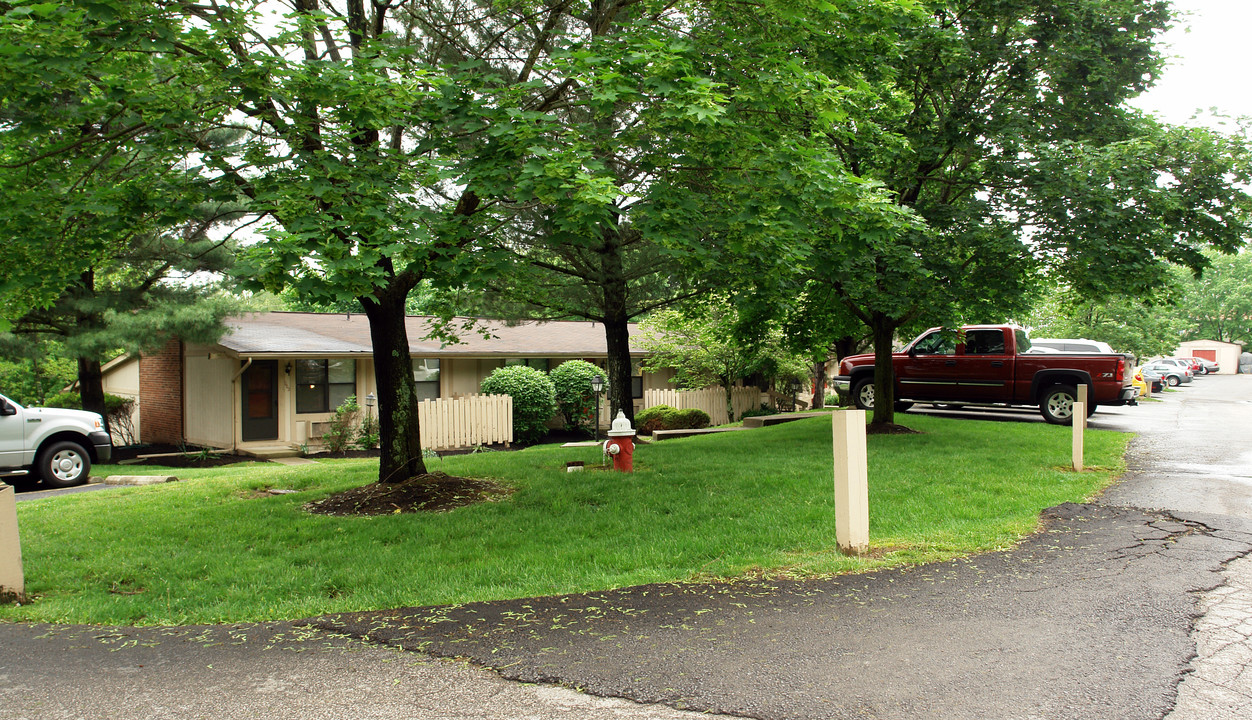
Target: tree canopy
[383,145]
[889,160]
[1000,131]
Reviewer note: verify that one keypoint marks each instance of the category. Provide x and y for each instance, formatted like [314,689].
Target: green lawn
[211,549]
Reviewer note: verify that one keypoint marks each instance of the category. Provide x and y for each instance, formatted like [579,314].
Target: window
[426,377]
[939,342]
[1023,342]
[323,385]
[984,342]
[636,379]
[537,363]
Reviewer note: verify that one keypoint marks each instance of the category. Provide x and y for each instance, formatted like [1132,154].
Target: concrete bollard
[851,481]
[1079,425]
[12,583]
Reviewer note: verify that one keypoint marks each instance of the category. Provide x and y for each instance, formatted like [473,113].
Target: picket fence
[711,400]
[466,421]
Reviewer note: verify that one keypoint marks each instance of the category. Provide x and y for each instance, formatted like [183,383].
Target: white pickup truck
[52,444]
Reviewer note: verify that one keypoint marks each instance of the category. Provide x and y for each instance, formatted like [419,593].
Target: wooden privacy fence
[465,421]
[711,400]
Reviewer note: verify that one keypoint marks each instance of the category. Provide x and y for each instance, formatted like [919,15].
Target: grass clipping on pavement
[237,543]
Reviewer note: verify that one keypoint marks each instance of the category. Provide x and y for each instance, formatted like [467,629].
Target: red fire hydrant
[621,444]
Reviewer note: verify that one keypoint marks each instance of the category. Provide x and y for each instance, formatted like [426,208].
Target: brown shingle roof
[323,334]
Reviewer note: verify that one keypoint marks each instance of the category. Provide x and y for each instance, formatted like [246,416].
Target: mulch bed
[889,429]
[433,492]
[190,456]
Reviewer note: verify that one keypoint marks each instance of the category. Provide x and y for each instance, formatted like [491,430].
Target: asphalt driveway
[1091,618]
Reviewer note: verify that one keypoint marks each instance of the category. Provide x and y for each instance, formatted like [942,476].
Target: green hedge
[574,396]
[534,399]
[664,417]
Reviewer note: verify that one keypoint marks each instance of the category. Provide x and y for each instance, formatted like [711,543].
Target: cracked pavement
[1087,619]
[1136,606]
[1220,684]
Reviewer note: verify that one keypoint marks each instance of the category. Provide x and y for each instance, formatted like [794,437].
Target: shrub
[117,411]
[574,397]
[534,398]
[692,418]
[763,410]
[367,439]
[664,417]
[649,420]
[342,428]
[69,400]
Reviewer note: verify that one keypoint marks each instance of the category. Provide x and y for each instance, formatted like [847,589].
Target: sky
[1207,59]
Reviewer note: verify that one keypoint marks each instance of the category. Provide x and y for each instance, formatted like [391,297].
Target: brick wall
[161,395]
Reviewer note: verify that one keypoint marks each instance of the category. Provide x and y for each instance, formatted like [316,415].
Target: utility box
[12,584]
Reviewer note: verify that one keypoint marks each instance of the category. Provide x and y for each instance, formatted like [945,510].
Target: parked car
[1206,366]
[1072,345]
[50,443]
[1150,378]
[1180,364]
[991,365]
[1173,373]
[1191,363]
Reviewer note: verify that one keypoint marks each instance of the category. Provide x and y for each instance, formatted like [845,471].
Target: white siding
[1227,353]
[123,380]
[209,399]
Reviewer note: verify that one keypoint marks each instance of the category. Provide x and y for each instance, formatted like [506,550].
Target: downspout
[234,398]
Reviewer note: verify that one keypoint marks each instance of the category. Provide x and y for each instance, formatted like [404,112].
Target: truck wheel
[1057,404]
[63,464]
[863,393]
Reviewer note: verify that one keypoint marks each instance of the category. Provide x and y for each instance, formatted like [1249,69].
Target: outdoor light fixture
[369,413]
[597,384]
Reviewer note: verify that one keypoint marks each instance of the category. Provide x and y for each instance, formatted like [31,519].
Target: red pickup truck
[992,365]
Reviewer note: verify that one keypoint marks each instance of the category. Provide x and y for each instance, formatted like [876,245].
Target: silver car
[1173,373]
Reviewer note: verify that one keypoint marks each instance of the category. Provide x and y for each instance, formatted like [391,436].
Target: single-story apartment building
[1223,353]
[275,376]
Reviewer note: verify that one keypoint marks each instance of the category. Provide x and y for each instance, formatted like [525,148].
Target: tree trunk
[883,329]
[819,385]
[845,346]
[614,292]
[617,339]
[399,435]
[728,383]
[90,378]
[91,388]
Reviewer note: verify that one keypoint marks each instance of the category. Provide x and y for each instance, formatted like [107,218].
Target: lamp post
[369,411]
[597,384]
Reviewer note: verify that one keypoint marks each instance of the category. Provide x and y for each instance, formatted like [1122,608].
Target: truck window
[984,342]
[1023,342]
[939,342]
